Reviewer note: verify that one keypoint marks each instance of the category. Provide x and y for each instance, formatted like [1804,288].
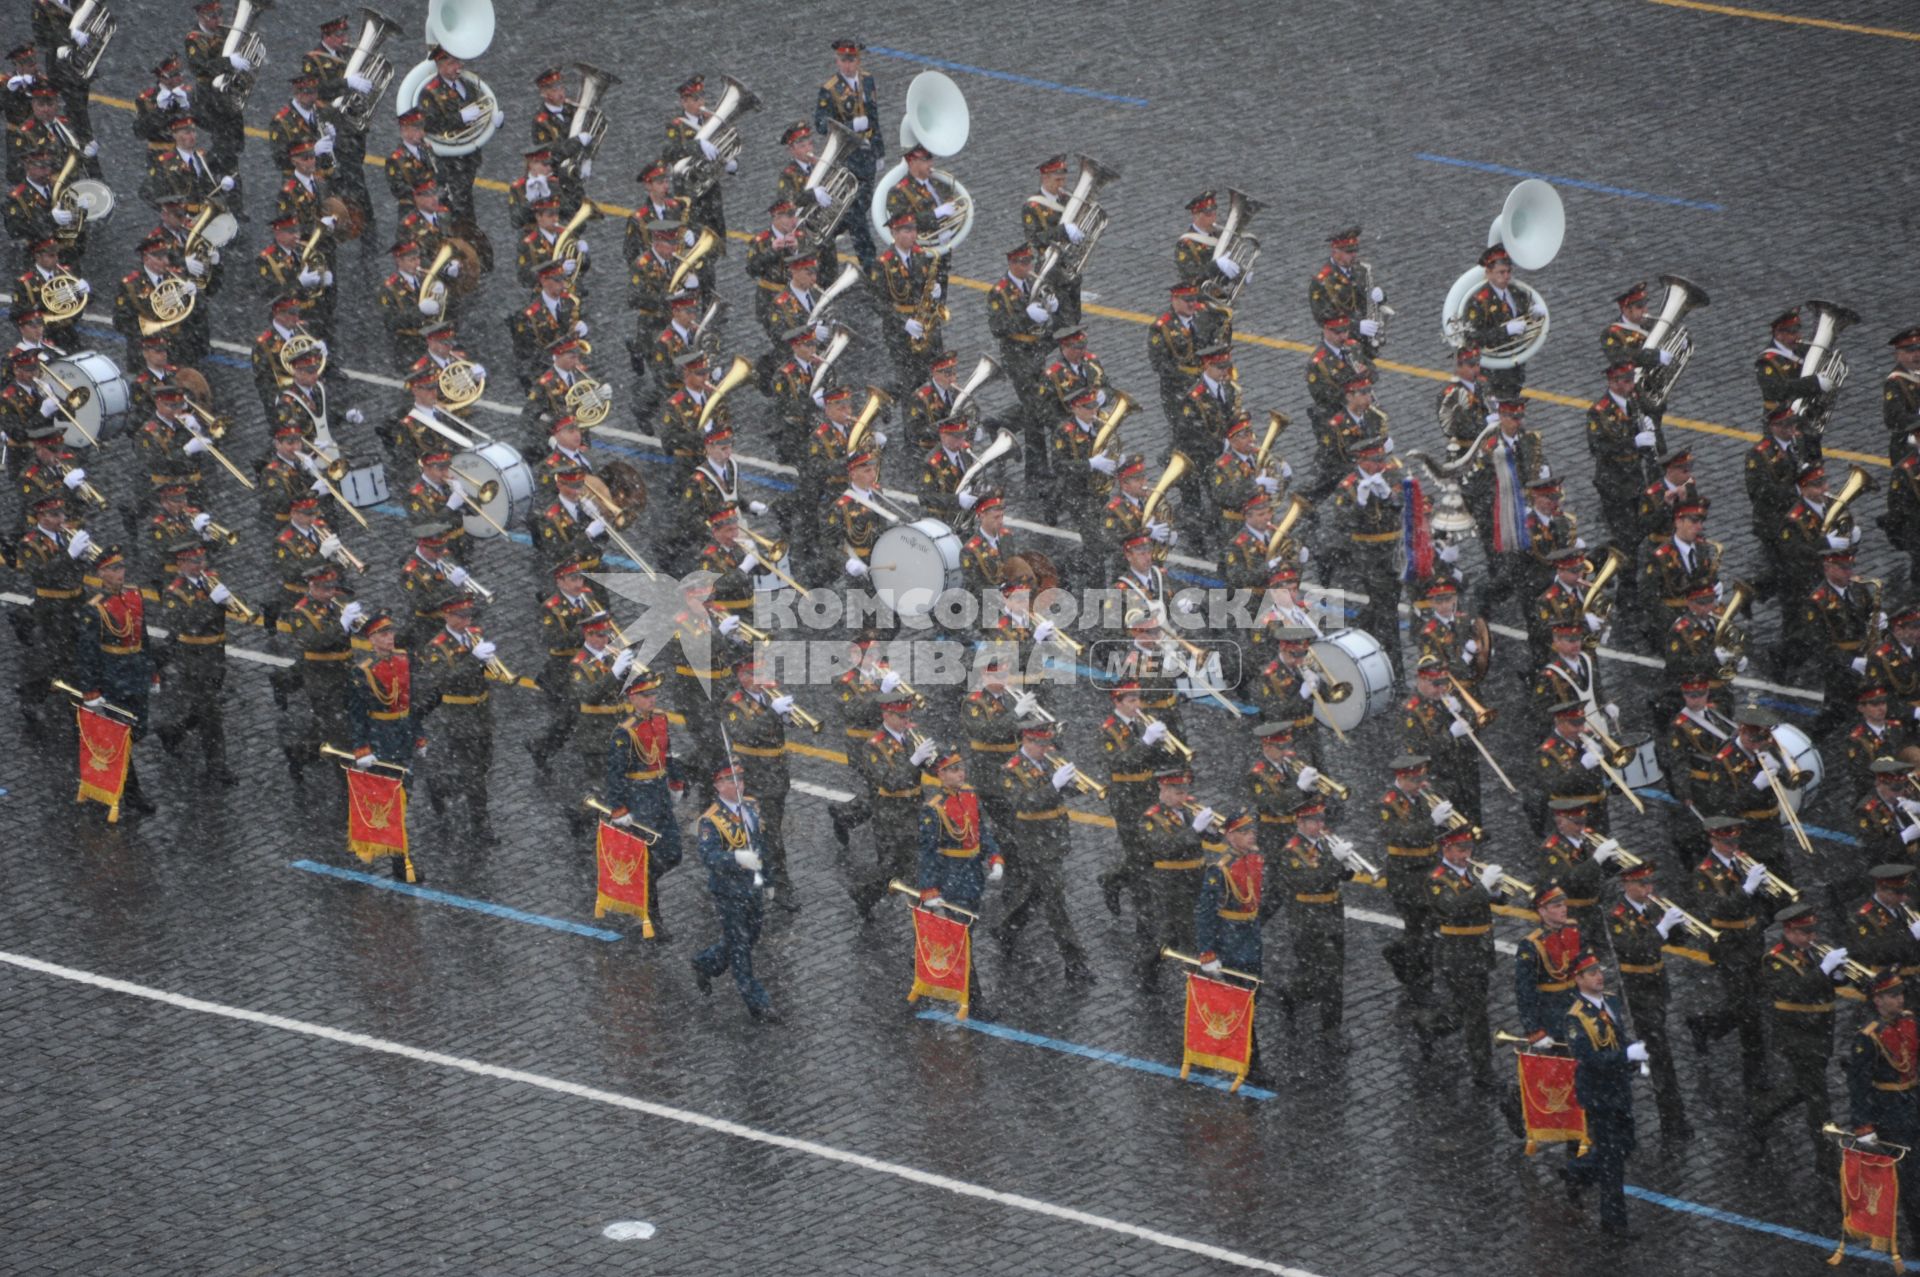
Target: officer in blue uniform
[728,839]
[849,97]
[1604,1065]
[642,778]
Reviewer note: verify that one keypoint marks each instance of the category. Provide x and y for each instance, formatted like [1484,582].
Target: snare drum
[914,563]
[104,413]
[500,465]
[1355,657]
[1643,769]
[365,485]
[1797,751]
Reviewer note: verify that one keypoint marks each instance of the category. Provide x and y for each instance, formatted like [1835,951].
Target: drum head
[94,196]
[499,466]
[103,412]
[1356,658]
[908,569]
[221,229]
[1797,751]
[365,485]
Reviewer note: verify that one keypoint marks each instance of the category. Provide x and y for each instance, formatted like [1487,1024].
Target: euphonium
[737,373]
[1234,242]
[1297,507]
[830,171]
[588,118]
[100,27]
[1177,466]
[1657,381]
[688,259]
[431,288]
[1084,211]
[1277,422]
[1857,482]
[236,85]
[877,399]
[1107,440]
[1830,320]
[696,174]
[355,107]
[1608,570]
[566,246]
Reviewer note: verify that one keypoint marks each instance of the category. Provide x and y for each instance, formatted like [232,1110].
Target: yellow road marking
[1791,19]
[1281,343]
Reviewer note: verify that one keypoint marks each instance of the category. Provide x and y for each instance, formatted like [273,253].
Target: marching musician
[959,855]
[735,565]
[1077,369]
[410,163]
[889,763]
[447,106]
[183,169]
[1174,835]
[1356,419]
[30,214]
[931,199]
[424,578]
[1876,735]
[564,618]
[53,558]
[1460,900]
[1801,985]
[539,243]
[155,108]
[1800,539]
[552,123]
[1499,312]
[304,196]
[1895,664]
[1568,765]
[790,308]
[1331,366]
[1176,338]
[46,129]
[798,138]
[169,441]
[1603,1064]
[1245,564]
[849,97]
[1641,931]
[658,204]
[983,557]
[1082,477]
[411,436]
[430,224]
[905,283]
[1673,567]
[1434,723]
[932,403]
[1311,865]
[1495,488]
[1625,339]
[1693,736]
[1692,649]
[316,630]
[677,338]
[1234,899]
[1457,644]
[571,525]
[437,495]
[793,395]
[303,400]
[1033,784]
[302,120]
[455,695]
[684,143]
[942,470]
[756,721]
[380,705]
[767,264]
[1562,602]
[643,778]
[172,523]
[281,269]
[1410,828]
[1578,861]
[287,473]
[114,658]
[1197,258]
[1543,968]
[29,289]
[647,284]
[207,59]
[328,65]
[727,835]
[553,313]
[852,525]
[303,543]
[1022,326]
[1208,408]
[1132,748]
[1885,932]
[1883,1070]
[1041,218]
[406,311]
[1778,368]
[591,697]
[1745,769]
[1336,290]
[30,326]
[134,304]
[1465,404]
[540,182]
[1840,620]
[1886,822]
[1772,468]
[270,372]
[1624,438]
[1900,395]
[1366,516]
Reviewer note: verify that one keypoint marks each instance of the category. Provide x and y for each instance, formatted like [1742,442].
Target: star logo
[651,601]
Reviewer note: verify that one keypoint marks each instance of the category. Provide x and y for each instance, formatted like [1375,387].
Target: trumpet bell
[937,116]
[463,28]
[1532,224]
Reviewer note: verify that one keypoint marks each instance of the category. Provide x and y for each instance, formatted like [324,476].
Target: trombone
[647,834]
[1476,719]
[330,470]
[234,607]
[470,585]
[1771,881]
[774,549]
[343,554]
[219,532]
[70,399]
[480,495]
[215,428]
[599,501]
[1336,690]
[1173,743]
[717,614]
[1780,797]
[1591,840]
[86,488]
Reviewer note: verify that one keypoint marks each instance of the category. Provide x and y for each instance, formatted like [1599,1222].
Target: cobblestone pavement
[153,1139]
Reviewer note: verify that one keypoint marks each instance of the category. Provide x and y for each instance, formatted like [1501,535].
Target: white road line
[685,1117]
[821,791]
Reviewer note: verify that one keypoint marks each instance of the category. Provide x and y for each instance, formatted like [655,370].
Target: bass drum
[914,563]
[105,412]
[1355,657]
[221,229]
[500,464]
[1797,751]
[94,196]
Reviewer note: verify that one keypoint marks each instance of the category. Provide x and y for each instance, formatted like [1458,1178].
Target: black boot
[296,765]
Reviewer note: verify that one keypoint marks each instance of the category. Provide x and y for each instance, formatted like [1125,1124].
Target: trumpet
[235,608]
[1173,743]
[796,714]
[1322,782]
[1456,819]
[1508,883]
[1858,972]
[497,671]
[716,614]
[343,555]
[441,569]
[1345,850]
[1693,924]
[648,835]
[1081,781]
[86,488]
[219,532]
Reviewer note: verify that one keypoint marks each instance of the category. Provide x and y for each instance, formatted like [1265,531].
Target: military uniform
[1426,727]
[312,633]
[1896,667]
[1602,1080]
[565,678]
[1234,896]
[957,851]
[1840,623]
[1465,409]
[1620,466]
[1171,852]
[759,739]
[380,702]
[1485,318]
[1720,901]
[993,733]
[1462,912]
[52,620]
[1174,343]
[1803,1005]
[1411,841]
[893,789]
[197,666]
[1038,853]
[902,289]
[455,692]
[1640,950]
[400,305]
[1310,877]
[537,326]
[641,774]
[1543,978]
[1369,539]
[1868,741]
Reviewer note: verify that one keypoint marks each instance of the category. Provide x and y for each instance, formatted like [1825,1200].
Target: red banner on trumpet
[1870,1200]
[106,751]
[942,959]
[1547,1102]
[376,815]
[1219,1027]
[623,876]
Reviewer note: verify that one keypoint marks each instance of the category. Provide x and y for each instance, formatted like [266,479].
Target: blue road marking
[1718,1216]
[1574,182]
[458,902]
[1813,831]
[1218,1083]
[944,65]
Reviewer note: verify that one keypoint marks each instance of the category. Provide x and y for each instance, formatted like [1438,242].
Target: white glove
[1668,921]
[1538,307]
[782,704]
[856,566]
[1309,684]
[1666,357]
[90,150]
[1611,710]
[1835,541]
[749,561]
[75,477]
[1103,463]
[1913,929]
[996,872]
[692,280]
[62,217]
[747,860]
[1607,852]
[365,762]
[916,329]
[1036,312]
[888,680]
[1202,819]
[1449,553]
[1044,632]
[728,624]
[1853,537]
[194,446]
[1595,621]
[967,500]
[1546,1042]
[1458,728]
[196,267]
[1157,531]
[1831,963]
[456,496]
[944,211]
[709,150]
[822,197]
[329,546]
[1442,812]
[922,752]
[1369,328]
[1722,655]
[880,438]
[1755,876]
[1053,304]
[1826,382]
[567,267]
[1155,733]
[484,650]
[469,113]
[1637,1052]
[1185,607]
[1266,483]
[1645,439]
[355,417]
[310,278]
[1376,296]
[860,124]
[1908,834]
[324,146]
[1589,760]
[1228,267]
[1490,877]
[1514,327]
[350,615]
[18,82]
[1870,1140]
[318,487]
[622,663]
[78,546]
[1063,775]
[85,289]
[201,520]
[429,307]
[226,184]
[80,38]
[240,62]
[1362,492]
[1074,234]
[94,702]
[756,507]
[359,83]
[1304,781]
[1472,647]
[1910,806]
[597,529]
[580,328]
[586,169]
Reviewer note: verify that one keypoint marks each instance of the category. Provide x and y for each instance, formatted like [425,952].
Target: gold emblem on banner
[621,871]
[938,958]
[376,815]
[1553,1099]
[1221,1025]
[100,759]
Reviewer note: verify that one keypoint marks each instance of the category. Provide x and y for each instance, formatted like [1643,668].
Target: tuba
[831,173]
[877,399]
[688,259]
[357,108]
[1002,444]
[937,118]
[695,175]
[849,276]
[1084,211]
[1830,320]
[1233,241]
[566,247]
[99,26]
[1857,482]
[986,370]
[1532,224]
[842,338]
[588,118]
[737,373]
[233,85]
[463,28]
[1656,383]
